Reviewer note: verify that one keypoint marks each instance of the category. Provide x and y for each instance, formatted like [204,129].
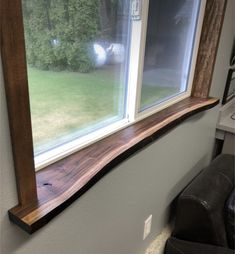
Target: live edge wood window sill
[44,194]
[59,184]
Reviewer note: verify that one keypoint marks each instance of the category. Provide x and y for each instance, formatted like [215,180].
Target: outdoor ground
[63,102]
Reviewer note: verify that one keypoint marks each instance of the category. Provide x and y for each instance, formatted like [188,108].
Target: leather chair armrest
[176,246]
[200,207]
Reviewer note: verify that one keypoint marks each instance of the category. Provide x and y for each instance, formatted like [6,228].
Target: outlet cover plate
[147,226]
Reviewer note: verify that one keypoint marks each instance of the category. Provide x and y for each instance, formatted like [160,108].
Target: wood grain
[44,195]
[60,184]
[211,30]
[16,86]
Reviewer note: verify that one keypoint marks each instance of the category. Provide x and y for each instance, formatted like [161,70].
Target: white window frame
[135,76]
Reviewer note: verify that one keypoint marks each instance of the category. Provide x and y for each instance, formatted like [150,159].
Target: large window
[146,56]
[94,67]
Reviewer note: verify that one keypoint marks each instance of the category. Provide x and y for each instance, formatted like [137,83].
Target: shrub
[59,33]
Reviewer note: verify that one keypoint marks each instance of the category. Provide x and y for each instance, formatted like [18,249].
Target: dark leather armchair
[202,223]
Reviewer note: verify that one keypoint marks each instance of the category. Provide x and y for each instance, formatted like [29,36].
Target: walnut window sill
[61,183]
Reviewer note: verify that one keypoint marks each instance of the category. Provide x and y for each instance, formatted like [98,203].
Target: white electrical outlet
[147,226]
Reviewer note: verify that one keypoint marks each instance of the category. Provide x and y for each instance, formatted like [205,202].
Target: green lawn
[63,102]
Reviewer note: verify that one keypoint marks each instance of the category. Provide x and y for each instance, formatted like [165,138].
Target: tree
[59,33]
[108,18]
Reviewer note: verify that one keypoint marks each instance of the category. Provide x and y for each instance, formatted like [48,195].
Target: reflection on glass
[169,44]
[77,60]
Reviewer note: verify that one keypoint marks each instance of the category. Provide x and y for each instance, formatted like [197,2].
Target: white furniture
[226,127]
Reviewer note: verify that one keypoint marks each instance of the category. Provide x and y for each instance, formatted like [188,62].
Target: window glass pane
[169,44]
[77,55]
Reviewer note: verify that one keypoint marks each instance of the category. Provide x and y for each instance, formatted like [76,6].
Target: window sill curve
[61,183]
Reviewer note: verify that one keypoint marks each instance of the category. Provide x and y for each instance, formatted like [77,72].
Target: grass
[65,102]
[151,94]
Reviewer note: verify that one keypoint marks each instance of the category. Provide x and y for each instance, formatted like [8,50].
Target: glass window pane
[169,45]
[77,55]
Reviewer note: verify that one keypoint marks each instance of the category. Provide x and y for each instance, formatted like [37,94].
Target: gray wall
[109,217]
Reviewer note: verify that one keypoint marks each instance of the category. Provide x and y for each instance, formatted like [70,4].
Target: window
[45,193]
[169,49]
[77,54]
[96,66]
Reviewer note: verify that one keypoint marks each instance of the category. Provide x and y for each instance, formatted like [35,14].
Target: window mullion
[137,51]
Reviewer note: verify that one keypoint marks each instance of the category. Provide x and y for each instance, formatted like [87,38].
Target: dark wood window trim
[42,195]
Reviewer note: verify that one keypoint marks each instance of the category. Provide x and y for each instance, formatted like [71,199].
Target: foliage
[59,33]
